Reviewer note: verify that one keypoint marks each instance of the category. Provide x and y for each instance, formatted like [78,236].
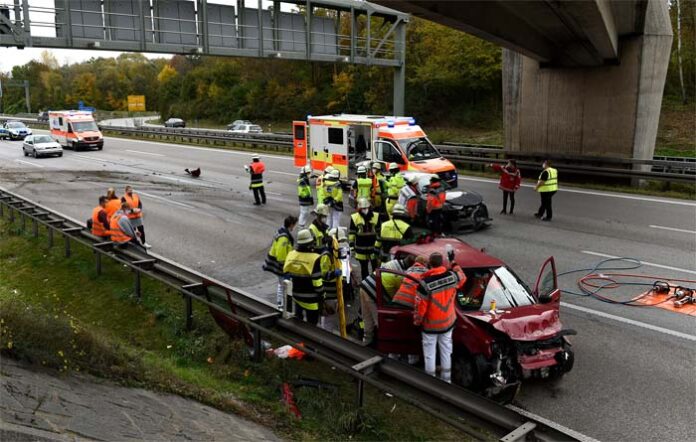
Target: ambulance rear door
[299,142]
[336,148]
[58,124]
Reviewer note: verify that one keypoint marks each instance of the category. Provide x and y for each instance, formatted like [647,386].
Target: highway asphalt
[635,372]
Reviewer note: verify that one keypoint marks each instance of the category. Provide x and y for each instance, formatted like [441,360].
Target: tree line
[452,78]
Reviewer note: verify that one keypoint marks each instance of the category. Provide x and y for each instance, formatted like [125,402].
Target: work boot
[503,212]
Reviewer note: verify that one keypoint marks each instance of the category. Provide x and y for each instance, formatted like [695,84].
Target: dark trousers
[506,194]
[545,207]
[309,316]
[259,192]
[141,229]
[435,221]
[364,264]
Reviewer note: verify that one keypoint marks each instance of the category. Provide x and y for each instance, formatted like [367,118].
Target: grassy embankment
[58,313]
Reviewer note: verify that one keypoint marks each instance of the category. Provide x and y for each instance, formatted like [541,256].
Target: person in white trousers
[304,194]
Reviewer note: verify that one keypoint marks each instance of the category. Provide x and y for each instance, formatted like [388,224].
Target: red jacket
[510,178]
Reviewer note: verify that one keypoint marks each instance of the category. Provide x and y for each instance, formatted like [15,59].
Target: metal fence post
[36,228]
[189,311]
[12,215]
[67,245]
[24,221]
[50,237]
[138,291]
[98,262]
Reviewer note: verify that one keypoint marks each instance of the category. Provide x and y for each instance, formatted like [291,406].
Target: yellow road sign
[136,103]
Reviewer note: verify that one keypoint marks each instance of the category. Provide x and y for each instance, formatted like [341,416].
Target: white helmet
[255,158]
[398,209]
[322,210]
[306,169]
[376,166]
[335,174]
[328,170]
[362,169]
[363,203]
[393,166]
[413,179]
[304,236]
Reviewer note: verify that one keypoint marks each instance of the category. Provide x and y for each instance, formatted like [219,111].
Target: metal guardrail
[666,169]
[450,403]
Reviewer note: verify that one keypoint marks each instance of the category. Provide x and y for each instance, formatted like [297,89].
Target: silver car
[41,146]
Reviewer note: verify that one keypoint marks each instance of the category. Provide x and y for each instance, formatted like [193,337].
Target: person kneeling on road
[122,231]
[368,293]
[303,267]
[435,312]
[275,259]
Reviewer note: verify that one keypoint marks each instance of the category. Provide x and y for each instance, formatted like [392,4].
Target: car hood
[19,129]
[463,198]
[50,144]
[527,323]
[90,133]
[435,165]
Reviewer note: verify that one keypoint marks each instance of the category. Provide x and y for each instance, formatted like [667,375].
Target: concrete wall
[595,111]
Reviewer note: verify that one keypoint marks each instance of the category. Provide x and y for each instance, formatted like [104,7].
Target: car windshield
[83,126]
[493,284]
[16,125]
[419,149]
[42,139]
[255,128]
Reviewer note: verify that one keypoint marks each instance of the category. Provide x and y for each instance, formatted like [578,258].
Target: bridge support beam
[610,110]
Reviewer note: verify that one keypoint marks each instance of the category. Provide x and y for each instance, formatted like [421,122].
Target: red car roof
[467,256]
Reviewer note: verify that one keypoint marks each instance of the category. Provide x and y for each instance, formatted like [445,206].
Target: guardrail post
[12,215]
[189,312]
[97,257]
[365,367]
[50,237]
[36,228]
[24,221]
[137,286]
[267,320]
[196,288]
[67,245]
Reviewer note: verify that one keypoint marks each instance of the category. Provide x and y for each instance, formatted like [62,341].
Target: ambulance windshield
[84,126]
[419,149]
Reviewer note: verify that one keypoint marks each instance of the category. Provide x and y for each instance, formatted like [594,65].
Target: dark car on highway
[175,122]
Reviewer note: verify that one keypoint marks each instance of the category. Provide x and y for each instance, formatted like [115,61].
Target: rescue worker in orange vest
[406,295]
[434,202]
[121,230]
[136,213]
[435,312]
[99,223]
[113,203]
[256,169]
[409,196]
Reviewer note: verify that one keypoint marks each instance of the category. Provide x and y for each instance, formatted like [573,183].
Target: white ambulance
[344,140]
[75,130]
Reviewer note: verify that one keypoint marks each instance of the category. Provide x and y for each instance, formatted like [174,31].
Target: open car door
[395,330]
[546,287]
[299,142]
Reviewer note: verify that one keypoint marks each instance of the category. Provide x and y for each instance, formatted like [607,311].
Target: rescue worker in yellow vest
[333,197]
[547,186]
[390,283]
[394,232]
[319,184]
[330,275]
[319,228]
[256,170]
[362,186]
[304,194]
[435,312]
[362,236]
[99,223]
[136,213]
[121,229]
[282,244]
[303,267]
[379,192]
[394,184]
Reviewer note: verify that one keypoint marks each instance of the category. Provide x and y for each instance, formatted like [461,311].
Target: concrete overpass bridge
[582,77]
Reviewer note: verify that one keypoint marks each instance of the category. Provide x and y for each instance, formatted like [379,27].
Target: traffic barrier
[460,408]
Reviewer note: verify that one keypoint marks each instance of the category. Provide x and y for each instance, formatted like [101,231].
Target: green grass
[676,134]
[59,313]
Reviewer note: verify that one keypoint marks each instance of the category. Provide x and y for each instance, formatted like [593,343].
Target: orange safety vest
[97,226]
[112,206]
[134,202]
[257,167]
[117,235]
[406,295]
[436,198]
[436,310]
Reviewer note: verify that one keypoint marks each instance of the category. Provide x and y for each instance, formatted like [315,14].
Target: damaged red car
[505,332]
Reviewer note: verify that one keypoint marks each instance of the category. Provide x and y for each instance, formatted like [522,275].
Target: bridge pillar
[611,110]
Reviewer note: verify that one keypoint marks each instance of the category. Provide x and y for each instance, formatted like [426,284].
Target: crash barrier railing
[671,169]
[460,408]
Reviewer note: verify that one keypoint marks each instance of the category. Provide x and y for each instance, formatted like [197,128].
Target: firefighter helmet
[304,236]
[362,170]
[393,166]
[398,209]
[335,174]
[306,170]
[363,203]
[322,210]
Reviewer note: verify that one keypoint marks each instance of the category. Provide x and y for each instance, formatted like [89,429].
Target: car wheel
[25,153]
[60,154]
[100,147]
[34,154]
[465,372]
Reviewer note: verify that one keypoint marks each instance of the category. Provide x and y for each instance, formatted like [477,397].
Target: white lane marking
[282,173]
[31,164]
[166,200]
[274,193]
[95,160]
[651,264]
[570,432]
[640,324]
[183,180]
[145,153]
[595,193]
[673,229]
